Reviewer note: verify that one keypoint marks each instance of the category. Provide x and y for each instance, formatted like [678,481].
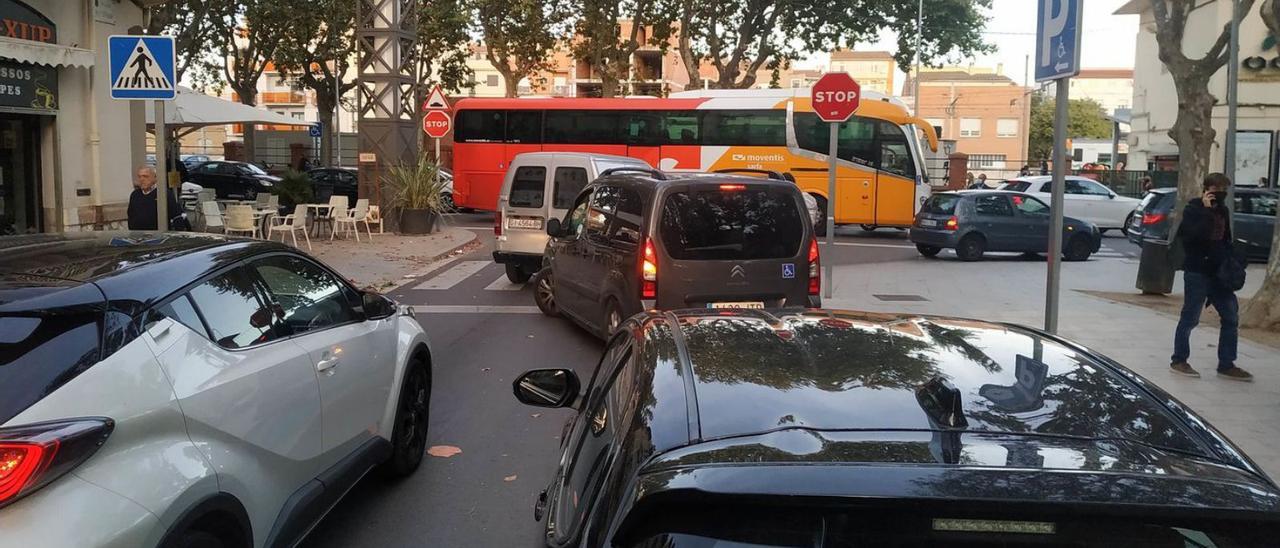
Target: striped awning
[40,53]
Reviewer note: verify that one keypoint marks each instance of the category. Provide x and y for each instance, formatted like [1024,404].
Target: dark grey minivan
[638,239]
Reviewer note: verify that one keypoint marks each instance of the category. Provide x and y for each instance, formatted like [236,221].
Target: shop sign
[19,21]
[28,87]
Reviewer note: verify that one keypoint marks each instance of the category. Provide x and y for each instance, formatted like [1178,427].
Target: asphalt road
[486,331]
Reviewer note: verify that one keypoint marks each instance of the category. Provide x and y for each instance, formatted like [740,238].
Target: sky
[1109,40]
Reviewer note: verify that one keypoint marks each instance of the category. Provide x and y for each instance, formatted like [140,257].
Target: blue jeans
[1197,289]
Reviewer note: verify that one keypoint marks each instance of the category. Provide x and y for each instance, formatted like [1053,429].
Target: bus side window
[681,128]
[480,126]
[895,154]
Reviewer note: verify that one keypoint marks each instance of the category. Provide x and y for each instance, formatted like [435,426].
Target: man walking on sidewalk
[1206,238]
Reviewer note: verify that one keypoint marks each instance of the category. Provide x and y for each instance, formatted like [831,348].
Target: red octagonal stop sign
[436,123]
[835,97]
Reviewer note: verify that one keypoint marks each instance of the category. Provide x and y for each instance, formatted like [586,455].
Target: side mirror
[547,387]
[377,307]
[553,228]
[1111,196]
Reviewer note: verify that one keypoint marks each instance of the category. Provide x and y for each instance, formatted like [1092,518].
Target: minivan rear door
[732,244]
[524,208]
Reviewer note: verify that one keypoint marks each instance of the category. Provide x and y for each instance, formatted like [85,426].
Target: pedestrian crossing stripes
[503,284]
[454,275]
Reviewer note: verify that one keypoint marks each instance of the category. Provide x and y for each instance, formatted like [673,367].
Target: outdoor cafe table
[315,210]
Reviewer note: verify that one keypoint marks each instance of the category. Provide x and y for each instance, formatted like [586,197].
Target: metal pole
[1060,160]
[162,197]
[438,162]
[915,94]
[337,113]
[831,208]
[1233,84]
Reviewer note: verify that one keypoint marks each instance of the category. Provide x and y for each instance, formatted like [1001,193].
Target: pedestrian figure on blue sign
[142,74]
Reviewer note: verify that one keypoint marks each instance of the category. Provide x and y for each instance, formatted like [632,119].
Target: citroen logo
[738,272]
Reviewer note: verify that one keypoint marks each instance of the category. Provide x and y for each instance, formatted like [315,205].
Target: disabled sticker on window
[788,271]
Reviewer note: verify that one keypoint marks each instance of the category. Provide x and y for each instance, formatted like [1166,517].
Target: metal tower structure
[385,91]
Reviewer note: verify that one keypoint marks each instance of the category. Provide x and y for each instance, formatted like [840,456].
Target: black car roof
[131,269]
[640,180]
[754,373]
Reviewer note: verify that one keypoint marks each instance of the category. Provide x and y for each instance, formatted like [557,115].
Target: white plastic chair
[346,220]
[292,224]
[374,217]
[212,216]
[240,219]
[361,215]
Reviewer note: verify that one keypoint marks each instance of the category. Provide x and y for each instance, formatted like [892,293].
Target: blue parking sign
[788,271]
[1058,27]
[142,67]
[315,130]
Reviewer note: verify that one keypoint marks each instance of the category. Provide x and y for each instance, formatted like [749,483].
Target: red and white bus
[880,171]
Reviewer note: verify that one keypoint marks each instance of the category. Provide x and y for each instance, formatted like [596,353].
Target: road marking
[860,244]
[429,268]
[503,284]
[455,275]
[475,309]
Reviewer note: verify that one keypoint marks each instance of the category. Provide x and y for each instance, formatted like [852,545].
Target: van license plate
[737,304]
[928,222]
[531,224]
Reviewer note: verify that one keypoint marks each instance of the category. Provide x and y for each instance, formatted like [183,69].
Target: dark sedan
[1255,219]
[240,180]
[334,181]
[831,428]
[974,222]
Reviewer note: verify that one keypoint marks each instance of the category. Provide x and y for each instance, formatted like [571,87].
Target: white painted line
[475,309]
[454,276]
[503,284]
[431,267]
[860,244]
[490,227]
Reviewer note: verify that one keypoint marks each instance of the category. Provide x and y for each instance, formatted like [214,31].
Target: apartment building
[873,70]
[1110,87]
[1155,102]
[982,110]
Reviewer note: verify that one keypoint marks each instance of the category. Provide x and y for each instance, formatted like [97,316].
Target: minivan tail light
[33,455]
[497,223]
[815,273]
[649,272]
[952,224]
[1152,218]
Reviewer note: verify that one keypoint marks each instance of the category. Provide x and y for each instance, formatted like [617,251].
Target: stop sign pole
[834,98]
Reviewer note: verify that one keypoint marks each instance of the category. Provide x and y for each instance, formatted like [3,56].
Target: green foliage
[294,188]
[602,42]
[416,186]
[741,38]
[194,24]
[443,32]
[1085,120]
[519,35]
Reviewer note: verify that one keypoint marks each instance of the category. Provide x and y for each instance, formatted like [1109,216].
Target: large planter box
[418,221]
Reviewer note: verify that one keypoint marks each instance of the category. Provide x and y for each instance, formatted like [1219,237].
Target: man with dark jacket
[1206,238]
[142,203]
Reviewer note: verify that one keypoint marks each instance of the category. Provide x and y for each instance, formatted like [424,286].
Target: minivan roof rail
[648,170]
[767,173]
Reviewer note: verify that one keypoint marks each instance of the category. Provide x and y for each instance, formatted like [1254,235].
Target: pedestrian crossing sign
[142,67]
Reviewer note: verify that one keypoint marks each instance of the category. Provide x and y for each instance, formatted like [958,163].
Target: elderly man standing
[142,203]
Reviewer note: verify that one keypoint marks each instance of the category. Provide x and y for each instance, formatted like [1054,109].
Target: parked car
[974,222]
[194,390]
[239,180]
[523,207]
[1085,198]
[637,239]
[334,181]
[832,428]
[1255,219]
[193,160]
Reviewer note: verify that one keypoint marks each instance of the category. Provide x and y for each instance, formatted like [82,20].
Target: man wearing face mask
[1206,238]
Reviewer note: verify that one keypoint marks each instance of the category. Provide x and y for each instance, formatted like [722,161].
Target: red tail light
[32,456]
[952,223]
[497,223]
[649,272]
[733,187]
[815,273]
[1152,218]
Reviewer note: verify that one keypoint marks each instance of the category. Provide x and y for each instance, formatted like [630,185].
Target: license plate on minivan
[525,223]
[737,304]
[928,222]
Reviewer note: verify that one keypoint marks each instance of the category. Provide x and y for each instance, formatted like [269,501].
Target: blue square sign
[142,67]
[788,271]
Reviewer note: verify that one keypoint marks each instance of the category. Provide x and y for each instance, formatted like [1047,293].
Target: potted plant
[417,194]
[294,188]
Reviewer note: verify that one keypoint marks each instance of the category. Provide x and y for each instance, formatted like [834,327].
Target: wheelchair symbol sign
[788,271]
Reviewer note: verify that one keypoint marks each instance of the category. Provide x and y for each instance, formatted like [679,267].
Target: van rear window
[732,225]
[940,204]
[528,186]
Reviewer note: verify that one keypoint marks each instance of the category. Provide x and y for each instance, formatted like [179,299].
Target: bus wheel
[869,228]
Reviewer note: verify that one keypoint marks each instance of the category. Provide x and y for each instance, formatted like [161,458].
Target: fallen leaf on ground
[536,415]
[443,451]
[530,336]
[486,369]
[509,478]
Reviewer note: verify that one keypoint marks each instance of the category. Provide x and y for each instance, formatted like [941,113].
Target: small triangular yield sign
[436,100]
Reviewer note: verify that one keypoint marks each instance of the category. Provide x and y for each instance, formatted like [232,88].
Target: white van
[540,186]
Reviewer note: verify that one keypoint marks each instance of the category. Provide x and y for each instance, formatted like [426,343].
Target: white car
[1086,200]
[194,390]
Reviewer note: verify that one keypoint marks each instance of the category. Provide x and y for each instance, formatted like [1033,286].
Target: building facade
[982,110]
[1155,102]
[1110,87]
[873,70]
[67,150]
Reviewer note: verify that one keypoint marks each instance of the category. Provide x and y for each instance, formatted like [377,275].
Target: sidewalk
[1012,289]
[389,258]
